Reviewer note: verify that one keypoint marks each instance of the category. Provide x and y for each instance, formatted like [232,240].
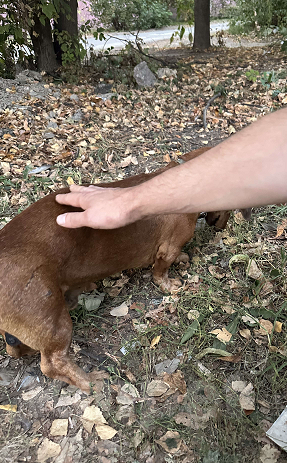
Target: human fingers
[72,219]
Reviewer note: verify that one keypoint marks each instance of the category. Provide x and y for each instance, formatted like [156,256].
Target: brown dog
[42,267]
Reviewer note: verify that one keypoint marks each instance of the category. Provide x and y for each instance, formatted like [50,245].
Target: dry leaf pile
[194,375]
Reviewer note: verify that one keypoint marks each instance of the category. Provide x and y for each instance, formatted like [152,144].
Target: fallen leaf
[105,431]
[120,311]
[281,228]
[216,271]
[59,427]
[175,380]
[170,442]
[269,454]
[247,399]
[155,341]
[70,181]
[223,335]
[193,314]
[31,394]
[277,327]
[156,388]
[94,414]
[253,271]
[9,407]
[266,327]
[182,418]
[245,333]
[48,449]
[238,386]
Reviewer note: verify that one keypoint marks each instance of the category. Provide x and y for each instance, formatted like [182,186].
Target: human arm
[248,169]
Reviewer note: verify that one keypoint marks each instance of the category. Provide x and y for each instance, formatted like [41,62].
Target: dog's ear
[246,213]
[218,219]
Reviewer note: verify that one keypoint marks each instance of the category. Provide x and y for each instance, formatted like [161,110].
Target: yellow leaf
[9,407]
[281,228]
[105,432]
[277,327]
[155,341]
[223,335]
[70,181]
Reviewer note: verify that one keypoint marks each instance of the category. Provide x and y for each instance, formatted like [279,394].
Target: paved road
[152,37]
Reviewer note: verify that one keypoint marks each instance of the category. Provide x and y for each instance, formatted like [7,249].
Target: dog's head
[219,219]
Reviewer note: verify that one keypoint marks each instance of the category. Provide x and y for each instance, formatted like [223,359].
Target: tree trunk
[201,24]
[41,36]
[67,22]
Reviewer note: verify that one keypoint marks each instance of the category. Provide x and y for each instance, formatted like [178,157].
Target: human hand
[104,208]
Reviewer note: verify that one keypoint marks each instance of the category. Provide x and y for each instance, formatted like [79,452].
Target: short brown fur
[42,266]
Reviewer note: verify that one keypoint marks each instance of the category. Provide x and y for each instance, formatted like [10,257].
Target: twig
[207,106]
[138,45]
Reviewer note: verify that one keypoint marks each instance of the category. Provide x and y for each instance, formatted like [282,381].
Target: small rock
[143,75]
[78,116]
[74,97]
[48,135]
[52,125]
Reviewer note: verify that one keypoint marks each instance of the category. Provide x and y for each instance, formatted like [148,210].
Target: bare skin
[248,169]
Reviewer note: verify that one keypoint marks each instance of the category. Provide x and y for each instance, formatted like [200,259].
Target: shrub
[131,15]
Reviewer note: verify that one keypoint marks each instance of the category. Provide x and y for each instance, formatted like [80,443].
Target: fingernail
[61,219]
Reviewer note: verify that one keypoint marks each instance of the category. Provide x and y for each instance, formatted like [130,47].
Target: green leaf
[182,31]
[42,19]
[191,329]
[48,10]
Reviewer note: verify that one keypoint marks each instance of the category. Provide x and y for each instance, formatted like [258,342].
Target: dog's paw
[96,379]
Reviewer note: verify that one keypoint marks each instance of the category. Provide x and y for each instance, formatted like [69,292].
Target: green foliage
[131,15]
[17,21]
[268,78]
[259,16]
[185,12]
[12,37]
[72,49]
[252,75]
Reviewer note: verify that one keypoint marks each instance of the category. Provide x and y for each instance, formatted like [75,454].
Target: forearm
[248,169]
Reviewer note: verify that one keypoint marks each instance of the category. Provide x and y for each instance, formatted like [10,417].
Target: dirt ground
[196,376]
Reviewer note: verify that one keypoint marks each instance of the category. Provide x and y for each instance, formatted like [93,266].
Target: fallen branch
[207,106]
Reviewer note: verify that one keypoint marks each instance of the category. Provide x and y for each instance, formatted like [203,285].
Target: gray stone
[166,72]
[52,125]
[52,114]
[35,75]
[74,97]
[143,75]
[78,116]
[48,135]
